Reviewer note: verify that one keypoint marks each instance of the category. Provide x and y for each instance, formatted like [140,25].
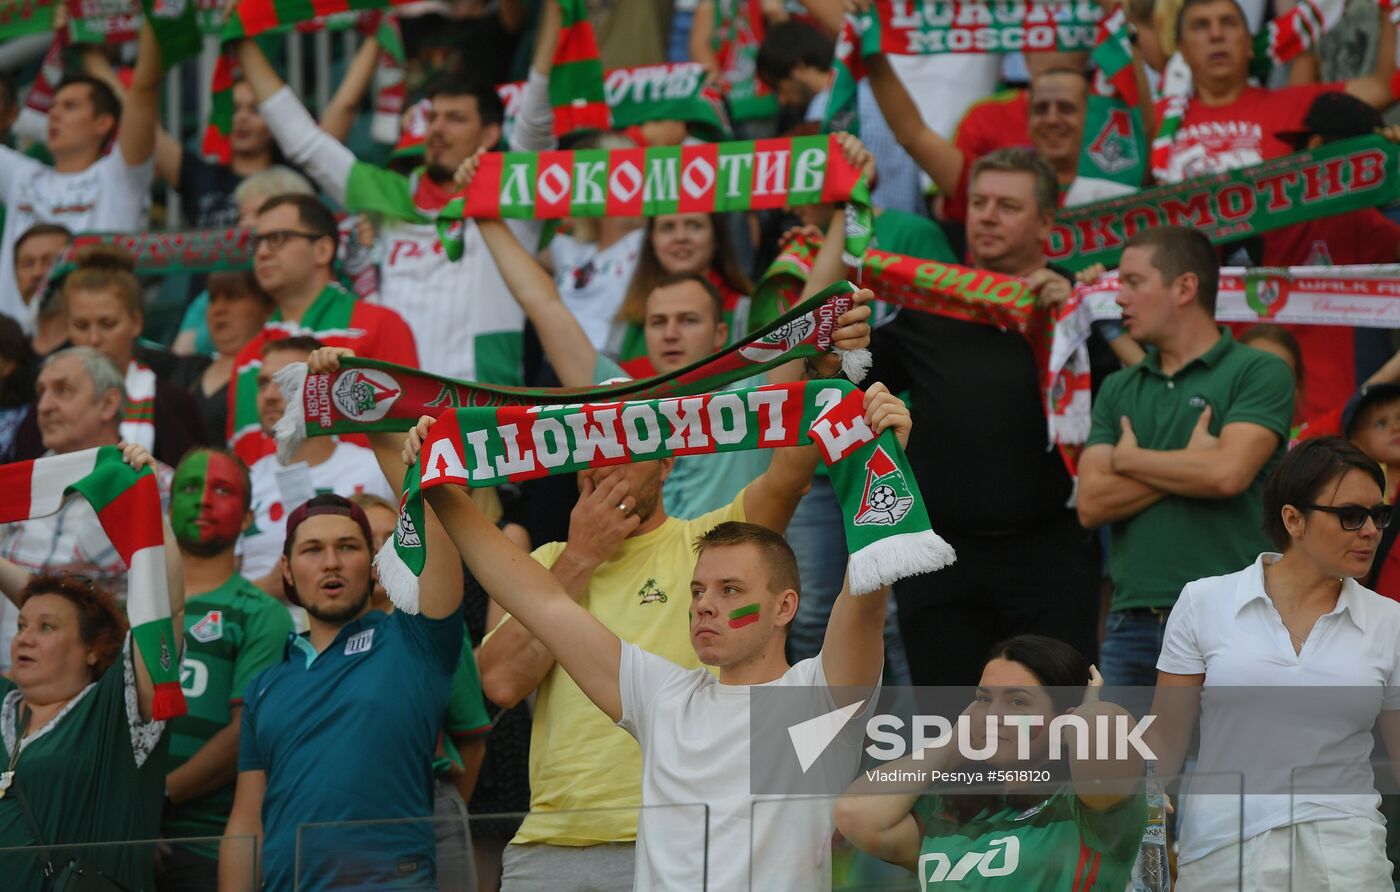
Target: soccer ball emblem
[883,497]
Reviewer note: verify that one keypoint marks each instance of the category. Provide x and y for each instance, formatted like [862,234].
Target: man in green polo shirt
[1180,446]
[232,632]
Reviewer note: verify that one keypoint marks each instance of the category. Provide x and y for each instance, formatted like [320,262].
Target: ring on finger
[622,506]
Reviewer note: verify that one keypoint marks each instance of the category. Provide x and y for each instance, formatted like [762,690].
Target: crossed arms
[1119,482]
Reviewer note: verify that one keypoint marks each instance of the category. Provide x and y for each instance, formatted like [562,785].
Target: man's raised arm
[565,343]
[587,650]
[853,650]
[938,157]
[305,144]
[440,586]
[136,135]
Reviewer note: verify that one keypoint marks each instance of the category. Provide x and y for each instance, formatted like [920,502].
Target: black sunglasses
[1353,517]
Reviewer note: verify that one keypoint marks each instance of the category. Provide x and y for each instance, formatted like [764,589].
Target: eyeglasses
[276,238]
[1353,517]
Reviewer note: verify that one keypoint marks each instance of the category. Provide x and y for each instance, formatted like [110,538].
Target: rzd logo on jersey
[937,867]
[365,394]
[887,497]
[210,628]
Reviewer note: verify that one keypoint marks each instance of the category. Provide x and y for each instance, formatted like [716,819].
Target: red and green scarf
[738,31]
[1332,179]
[958,292]
[1115,145]
[636,96]
[705,178]
[925,27]
[127,504]
[254,17]
[367,395]
[888,535]
[576,78]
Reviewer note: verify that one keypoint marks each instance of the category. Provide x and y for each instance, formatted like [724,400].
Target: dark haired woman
[1297,618]
[1079,834]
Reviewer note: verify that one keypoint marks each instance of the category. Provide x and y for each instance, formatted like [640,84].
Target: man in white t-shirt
[693,727]
[88,188]
[320,465]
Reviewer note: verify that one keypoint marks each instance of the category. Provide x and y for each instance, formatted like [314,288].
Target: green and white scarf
[887,529]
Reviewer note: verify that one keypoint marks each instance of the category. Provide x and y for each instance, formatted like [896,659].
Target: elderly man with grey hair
[80,396]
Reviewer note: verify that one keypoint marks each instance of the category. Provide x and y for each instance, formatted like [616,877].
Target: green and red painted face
[207,500]
[744,616]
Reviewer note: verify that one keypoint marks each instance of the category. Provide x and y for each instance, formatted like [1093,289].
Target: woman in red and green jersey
[1077,835]
[675,244]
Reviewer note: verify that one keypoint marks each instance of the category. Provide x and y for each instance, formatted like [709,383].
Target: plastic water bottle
[1151,872]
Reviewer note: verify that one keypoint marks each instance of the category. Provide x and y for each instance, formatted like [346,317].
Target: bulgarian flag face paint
[207,500]
[744,616]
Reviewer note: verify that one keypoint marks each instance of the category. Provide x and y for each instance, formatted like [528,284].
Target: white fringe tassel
[290,430]
[886,561]
[398,581]
[855,363]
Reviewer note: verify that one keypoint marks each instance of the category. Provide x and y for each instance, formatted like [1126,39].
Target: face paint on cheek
[224,514]
[187,491]
[744,616]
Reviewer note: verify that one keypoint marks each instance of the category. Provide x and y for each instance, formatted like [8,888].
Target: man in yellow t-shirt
[630,565]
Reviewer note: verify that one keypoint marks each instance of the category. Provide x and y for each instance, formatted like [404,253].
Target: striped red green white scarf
[367,395]
[138,423]
[887,528]
[958,292]
[576,77]
[127,503]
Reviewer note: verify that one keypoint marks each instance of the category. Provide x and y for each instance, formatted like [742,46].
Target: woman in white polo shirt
[1298,620]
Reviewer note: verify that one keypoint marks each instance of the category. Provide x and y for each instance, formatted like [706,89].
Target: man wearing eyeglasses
[1180,446]
[294,244]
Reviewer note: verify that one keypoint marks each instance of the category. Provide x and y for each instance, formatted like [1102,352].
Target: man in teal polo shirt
[345,728]
[1180,446]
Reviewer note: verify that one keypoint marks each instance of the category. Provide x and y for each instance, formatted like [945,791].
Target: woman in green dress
[1076,832]
[78,746]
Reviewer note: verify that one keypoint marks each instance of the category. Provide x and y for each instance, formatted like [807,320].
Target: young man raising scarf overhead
[743,592]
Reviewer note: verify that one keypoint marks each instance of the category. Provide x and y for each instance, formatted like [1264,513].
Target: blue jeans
[1128,657]
[817,535]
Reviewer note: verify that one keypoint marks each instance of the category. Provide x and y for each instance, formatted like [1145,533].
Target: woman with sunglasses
[1297,618]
